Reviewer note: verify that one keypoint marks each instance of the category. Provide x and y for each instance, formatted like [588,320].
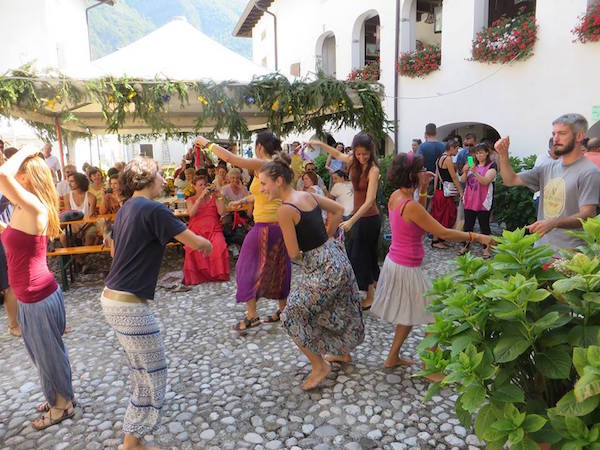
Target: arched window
[366,46]
[326,54]
[421,24]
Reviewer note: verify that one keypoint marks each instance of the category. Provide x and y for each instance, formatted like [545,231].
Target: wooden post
[60,144]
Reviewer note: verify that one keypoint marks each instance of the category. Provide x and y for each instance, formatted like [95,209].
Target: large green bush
[514,205]
[519,339]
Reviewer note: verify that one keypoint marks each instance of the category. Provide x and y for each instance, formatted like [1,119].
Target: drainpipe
[87,21]
[274,29]
[396,76]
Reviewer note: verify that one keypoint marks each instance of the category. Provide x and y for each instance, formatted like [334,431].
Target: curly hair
[404,171]
[279,166]
[82,182]
[137,175]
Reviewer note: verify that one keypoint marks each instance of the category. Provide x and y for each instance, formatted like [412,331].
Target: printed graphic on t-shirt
[554,198]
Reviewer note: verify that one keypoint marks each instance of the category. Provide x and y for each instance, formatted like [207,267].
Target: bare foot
[68,330]
[366,304]
[315,378]
[396,362]
[338,358]
[132,443]
[435,377]
[14,331]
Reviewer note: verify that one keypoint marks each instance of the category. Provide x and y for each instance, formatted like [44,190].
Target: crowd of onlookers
[462,192]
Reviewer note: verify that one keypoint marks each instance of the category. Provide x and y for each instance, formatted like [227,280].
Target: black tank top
[444,173]
[310,230]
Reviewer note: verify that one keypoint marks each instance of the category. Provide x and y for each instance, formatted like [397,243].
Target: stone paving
[225,390]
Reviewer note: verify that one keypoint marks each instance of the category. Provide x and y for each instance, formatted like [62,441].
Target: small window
[509,8]
[146,150]
[263,35]
[264,62]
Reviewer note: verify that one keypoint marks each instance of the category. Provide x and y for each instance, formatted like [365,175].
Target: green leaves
[556,364]
[510,348]
[569,406]
[508,335]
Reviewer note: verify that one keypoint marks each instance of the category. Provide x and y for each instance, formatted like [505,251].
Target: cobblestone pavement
[229,391]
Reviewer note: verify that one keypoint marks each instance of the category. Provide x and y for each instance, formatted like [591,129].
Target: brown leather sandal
[46,420]
[45,407]
[248,323]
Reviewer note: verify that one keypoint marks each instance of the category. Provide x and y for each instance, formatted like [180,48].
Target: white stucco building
[519,99]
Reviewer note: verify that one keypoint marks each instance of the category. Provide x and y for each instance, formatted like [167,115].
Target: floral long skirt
[323,314]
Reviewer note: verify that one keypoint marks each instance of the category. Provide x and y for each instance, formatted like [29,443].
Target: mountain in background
[113,27]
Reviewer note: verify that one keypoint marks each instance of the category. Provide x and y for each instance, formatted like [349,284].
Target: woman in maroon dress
[205,210]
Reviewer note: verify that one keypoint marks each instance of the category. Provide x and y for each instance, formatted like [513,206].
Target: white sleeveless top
[85,208]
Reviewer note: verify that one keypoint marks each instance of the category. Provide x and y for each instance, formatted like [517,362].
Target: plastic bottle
[180,199]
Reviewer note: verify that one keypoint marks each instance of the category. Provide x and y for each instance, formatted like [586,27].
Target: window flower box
[370,72]
[418,63]
[507,39]
[588,27]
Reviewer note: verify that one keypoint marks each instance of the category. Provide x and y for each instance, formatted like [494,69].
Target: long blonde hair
[42,186]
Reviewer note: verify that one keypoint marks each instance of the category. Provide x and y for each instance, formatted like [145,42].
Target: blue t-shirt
[431,151]
[141,231]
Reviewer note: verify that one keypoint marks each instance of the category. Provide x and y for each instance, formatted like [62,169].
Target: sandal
[273,318]
[464,250]
[45,407]
[248,323]
[439,244]
[46,420]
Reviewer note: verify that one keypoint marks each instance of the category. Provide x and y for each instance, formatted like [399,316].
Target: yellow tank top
[265,210]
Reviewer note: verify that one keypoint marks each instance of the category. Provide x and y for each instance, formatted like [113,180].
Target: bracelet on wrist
[471,236]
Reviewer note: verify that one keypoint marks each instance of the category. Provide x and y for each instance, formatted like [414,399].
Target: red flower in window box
[370,72]
[588,27]
[506,39]
[418,63]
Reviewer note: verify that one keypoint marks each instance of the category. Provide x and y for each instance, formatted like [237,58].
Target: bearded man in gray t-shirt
[569,187]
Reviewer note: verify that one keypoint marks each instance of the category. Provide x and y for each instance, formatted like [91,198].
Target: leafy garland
[418,63]
[588,26]
[507,39]
[310,105]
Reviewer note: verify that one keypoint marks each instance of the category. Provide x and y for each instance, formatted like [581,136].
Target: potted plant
[418,63]
[507,39]
[519,339]
[588,26]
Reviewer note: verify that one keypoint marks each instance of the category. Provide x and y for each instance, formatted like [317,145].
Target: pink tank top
[28,272]
[407,239]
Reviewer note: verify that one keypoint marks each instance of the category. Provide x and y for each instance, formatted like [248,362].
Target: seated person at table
[96,184]
[236,224]
[221,178]
[205,209]
[111,202]
[79,199]
[188,189]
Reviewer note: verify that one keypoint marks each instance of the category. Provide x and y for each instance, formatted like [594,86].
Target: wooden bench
[67,258]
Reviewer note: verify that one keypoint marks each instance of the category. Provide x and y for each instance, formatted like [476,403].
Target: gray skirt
[43,324]
[400,295]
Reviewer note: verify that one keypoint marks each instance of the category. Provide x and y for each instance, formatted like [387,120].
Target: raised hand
[501,146]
